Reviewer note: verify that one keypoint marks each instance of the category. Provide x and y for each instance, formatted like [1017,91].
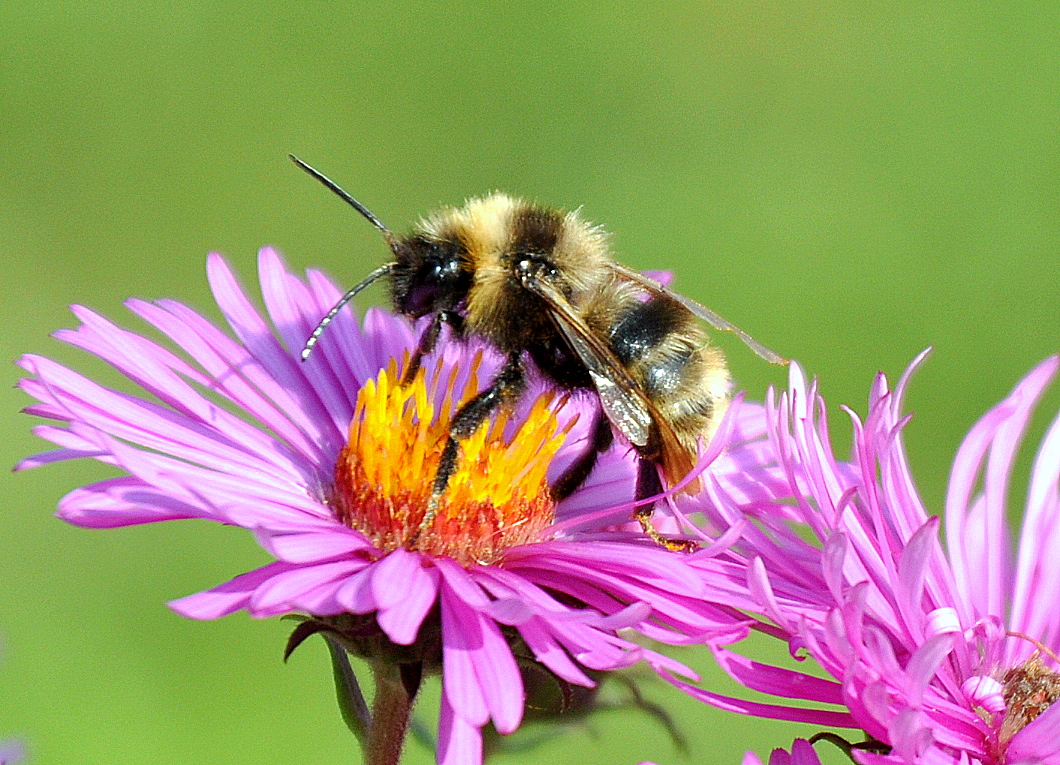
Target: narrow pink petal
[278,362]
[403,591]
[912,573]
[229,597]
[287,300]
[121,501]
[282,592]
[592,648]
[401,622]
[315,545]
[459,740]
[59,455]
[478,644]
[516,599]
[591,563]
[78,442]
[548,651]
[220,496]
[959,536]
[355,594]
[393,575]
[344,350]
[910,735]
[152,367]
[68,438]
[462,583]
[502,684]
[1038,567]
[47,410]
[758,585]
[778,681]
[245,380]
[982,577]
[995,490]
[925,662]
[510,611]
[648,565]
[817,717]
[386,338]
[233,373]
[148,424]
[461,638]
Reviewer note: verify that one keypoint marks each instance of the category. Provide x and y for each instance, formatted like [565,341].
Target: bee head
[428,276]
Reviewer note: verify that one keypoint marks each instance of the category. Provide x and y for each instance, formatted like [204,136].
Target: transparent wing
[699,310]
[624,404]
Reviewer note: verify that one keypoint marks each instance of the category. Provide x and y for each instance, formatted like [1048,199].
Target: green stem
[391,710]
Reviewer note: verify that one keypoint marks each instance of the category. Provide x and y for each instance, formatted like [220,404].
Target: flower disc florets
[1028,690]
[497,498]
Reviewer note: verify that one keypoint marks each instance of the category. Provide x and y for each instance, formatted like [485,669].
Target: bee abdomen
[640,330]
[695,406]
[666,353]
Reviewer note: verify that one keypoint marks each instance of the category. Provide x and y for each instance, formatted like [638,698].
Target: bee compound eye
[536,267]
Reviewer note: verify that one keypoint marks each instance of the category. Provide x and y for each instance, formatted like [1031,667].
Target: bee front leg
[649,485]
[506,387]
[429,339]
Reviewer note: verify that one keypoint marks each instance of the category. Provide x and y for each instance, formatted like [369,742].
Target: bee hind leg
[649,485]
[578,471]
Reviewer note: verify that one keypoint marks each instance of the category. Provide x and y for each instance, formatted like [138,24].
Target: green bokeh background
[850,182]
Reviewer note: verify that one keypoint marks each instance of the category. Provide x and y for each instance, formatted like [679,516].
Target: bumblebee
[541,287]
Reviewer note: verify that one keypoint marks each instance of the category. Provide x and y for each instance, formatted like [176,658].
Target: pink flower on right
[801,753]
[940,651]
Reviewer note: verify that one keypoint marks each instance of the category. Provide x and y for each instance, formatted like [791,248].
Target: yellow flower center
[497,497]
[1029,689]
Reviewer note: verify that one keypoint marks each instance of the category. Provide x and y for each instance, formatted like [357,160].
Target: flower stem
[391,709]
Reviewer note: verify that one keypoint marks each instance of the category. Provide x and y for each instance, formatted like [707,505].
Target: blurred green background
[849,182]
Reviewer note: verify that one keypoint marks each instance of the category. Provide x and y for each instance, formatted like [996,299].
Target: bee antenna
[338,190]
[378,273]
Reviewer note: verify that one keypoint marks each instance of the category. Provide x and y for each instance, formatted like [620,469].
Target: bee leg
[429,339]
[648,485]
[578,471]
[505,388]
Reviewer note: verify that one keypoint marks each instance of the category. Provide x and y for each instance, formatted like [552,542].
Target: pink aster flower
[329,463]
[802,753]
[12,753]
[941,654]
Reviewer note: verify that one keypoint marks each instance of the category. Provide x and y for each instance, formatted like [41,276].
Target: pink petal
[228,597]
[1039,741]
[404,591]
[315,545]
[459,740]
[282,592]
[461,638]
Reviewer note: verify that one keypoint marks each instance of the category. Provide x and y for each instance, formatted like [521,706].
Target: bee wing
[626,406]
[699,310]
